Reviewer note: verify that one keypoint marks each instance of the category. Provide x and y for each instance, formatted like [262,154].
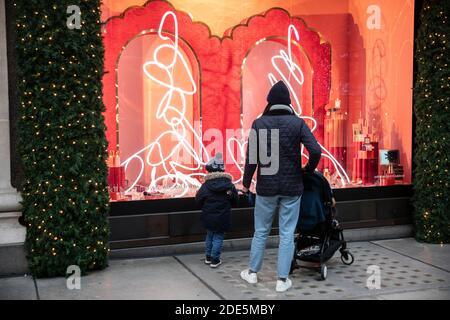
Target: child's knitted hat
[216,164]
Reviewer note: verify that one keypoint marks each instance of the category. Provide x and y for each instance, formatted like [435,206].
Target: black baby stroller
[319,233]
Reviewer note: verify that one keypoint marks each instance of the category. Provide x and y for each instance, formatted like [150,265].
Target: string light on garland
[63,151]
[431,189]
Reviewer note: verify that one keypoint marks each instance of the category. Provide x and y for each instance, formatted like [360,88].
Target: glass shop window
[348,65]
[156,117]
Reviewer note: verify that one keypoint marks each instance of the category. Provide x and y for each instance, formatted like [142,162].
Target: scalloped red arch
[220,59]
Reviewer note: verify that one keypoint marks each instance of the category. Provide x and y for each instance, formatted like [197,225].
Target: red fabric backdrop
[220,60]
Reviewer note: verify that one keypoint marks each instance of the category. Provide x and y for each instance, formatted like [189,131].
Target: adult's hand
[244,190]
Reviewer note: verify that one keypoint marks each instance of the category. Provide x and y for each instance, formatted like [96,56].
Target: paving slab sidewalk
[408,270]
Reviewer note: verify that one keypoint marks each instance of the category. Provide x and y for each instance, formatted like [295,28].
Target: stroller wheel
[323,272]
[347,258]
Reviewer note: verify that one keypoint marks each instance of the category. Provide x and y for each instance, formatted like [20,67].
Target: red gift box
[116,178]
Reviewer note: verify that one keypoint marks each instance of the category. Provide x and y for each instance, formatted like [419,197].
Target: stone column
[12,234]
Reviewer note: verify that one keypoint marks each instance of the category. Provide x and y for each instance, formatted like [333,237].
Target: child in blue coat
[216,196]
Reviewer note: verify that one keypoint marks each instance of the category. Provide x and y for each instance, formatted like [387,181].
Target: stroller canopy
[317,195]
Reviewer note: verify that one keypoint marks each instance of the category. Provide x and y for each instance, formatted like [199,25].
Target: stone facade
[12,234]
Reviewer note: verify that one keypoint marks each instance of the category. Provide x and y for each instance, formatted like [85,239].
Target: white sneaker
[283,286]
[249,277]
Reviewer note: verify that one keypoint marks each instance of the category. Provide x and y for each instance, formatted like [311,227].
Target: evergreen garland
[432,101]
[62,136]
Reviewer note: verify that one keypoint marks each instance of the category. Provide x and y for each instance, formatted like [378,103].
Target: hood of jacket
[279,94]
[218,181]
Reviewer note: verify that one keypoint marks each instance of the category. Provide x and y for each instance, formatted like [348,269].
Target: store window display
[174,85]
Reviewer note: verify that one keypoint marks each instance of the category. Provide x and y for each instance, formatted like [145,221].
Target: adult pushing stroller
[319,233]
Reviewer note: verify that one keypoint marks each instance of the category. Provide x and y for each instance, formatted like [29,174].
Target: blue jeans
[265,208]
[213,244]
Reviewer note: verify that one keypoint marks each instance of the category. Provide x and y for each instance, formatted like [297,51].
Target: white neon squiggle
[339,169]
[175,117]
[297,74]
[294,69]
[181,129]
[241,152]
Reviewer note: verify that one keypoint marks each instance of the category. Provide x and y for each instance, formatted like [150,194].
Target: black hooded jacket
[216,197]
[293,131]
